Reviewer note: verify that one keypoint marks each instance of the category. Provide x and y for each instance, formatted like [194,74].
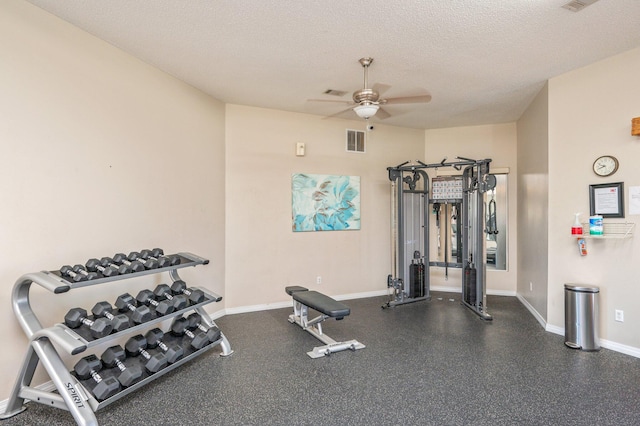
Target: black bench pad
[294,288]
[322,303]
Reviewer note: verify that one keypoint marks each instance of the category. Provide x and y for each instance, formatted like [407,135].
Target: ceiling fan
[367,101]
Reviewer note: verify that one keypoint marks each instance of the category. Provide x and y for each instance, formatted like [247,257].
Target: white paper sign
[634,200]
[606,200]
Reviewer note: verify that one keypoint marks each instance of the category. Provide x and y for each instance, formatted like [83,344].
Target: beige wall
[533,203]
[101,153]
[263,254]
[497,142]
[82,122]
[590,112]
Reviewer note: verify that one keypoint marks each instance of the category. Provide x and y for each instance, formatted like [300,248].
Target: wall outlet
[318,279]
[619,315]
[530,286]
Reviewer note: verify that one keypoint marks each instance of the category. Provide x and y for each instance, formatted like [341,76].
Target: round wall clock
[605,165]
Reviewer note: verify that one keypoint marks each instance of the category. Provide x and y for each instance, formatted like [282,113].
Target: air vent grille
[333,92]
[355,141]
[578,5]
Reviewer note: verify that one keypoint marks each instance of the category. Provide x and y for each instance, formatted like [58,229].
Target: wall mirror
[496,214]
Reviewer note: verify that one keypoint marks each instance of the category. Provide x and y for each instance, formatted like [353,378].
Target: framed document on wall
[607,199]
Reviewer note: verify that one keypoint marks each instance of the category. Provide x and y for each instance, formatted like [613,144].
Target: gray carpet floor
[427,363]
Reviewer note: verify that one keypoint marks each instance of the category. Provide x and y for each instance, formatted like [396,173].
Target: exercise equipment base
[483,315]
[394,303]
[328,308]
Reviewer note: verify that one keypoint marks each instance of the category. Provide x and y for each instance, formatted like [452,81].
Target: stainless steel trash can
[581,317]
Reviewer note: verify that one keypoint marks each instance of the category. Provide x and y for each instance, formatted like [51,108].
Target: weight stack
[470,285]
[416,280]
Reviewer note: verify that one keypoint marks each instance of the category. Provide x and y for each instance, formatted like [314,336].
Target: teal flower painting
[325,202]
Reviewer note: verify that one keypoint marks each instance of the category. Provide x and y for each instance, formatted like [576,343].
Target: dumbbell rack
[70,393]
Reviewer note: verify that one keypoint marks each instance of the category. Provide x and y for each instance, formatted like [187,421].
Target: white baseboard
[607,344]
[554,329]
[446,289]
[533,311]
[627,350]
[458,290]
[289,303]
[509,293]
[257,308]
[348,296]
[366,294]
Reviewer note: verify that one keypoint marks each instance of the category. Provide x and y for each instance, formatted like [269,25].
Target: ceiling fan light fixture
[366,111]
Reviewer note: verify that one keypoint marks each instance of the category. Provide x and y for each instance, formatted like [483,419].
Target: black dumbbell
[122,269]
[162,261]
[181,326]
[163,291]
[99,328]
[113,357]
[94,265]
[88,367]
[79,269]
[67,271]
[195,322]
[195,295]
[121,259]
[136,346]
[158,254]
[140,313]
[173,351]
[104,309]
[146,297]
[148,263]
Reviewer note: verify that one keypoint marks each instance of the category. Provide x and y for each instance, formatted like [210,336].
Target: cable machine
[410,206]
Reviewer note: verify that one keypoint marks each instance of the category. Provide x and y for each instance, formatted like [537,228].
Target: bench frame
[313,326]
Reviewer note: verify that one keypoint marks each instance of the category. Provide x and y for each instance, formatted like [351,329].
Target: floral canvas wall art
[325,202]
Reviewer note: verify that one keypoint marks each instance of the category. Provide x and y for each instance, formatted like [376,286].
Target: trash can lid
[582,288]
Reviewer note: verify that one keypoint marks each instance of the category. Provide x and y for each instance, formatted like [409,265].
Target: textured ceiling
[482,61]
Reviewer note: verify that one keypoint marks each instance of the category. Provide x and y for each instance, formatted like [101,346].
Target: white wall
[533,203]
[590,112]
[497,142]
[101,153]
[263,253]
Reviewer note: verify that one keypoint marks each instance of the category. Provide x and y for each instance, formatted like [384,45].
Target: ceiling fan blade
[382,114]
[346,113]
[332,100]
[407,100]
[381,88]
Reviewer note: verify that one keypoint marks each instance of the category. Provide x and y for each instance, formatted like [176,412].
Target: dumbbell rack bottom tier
[70,393]
[147,378]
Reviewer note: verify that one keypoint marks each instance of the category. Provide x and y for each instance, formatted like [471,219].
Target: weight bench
[303,299]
